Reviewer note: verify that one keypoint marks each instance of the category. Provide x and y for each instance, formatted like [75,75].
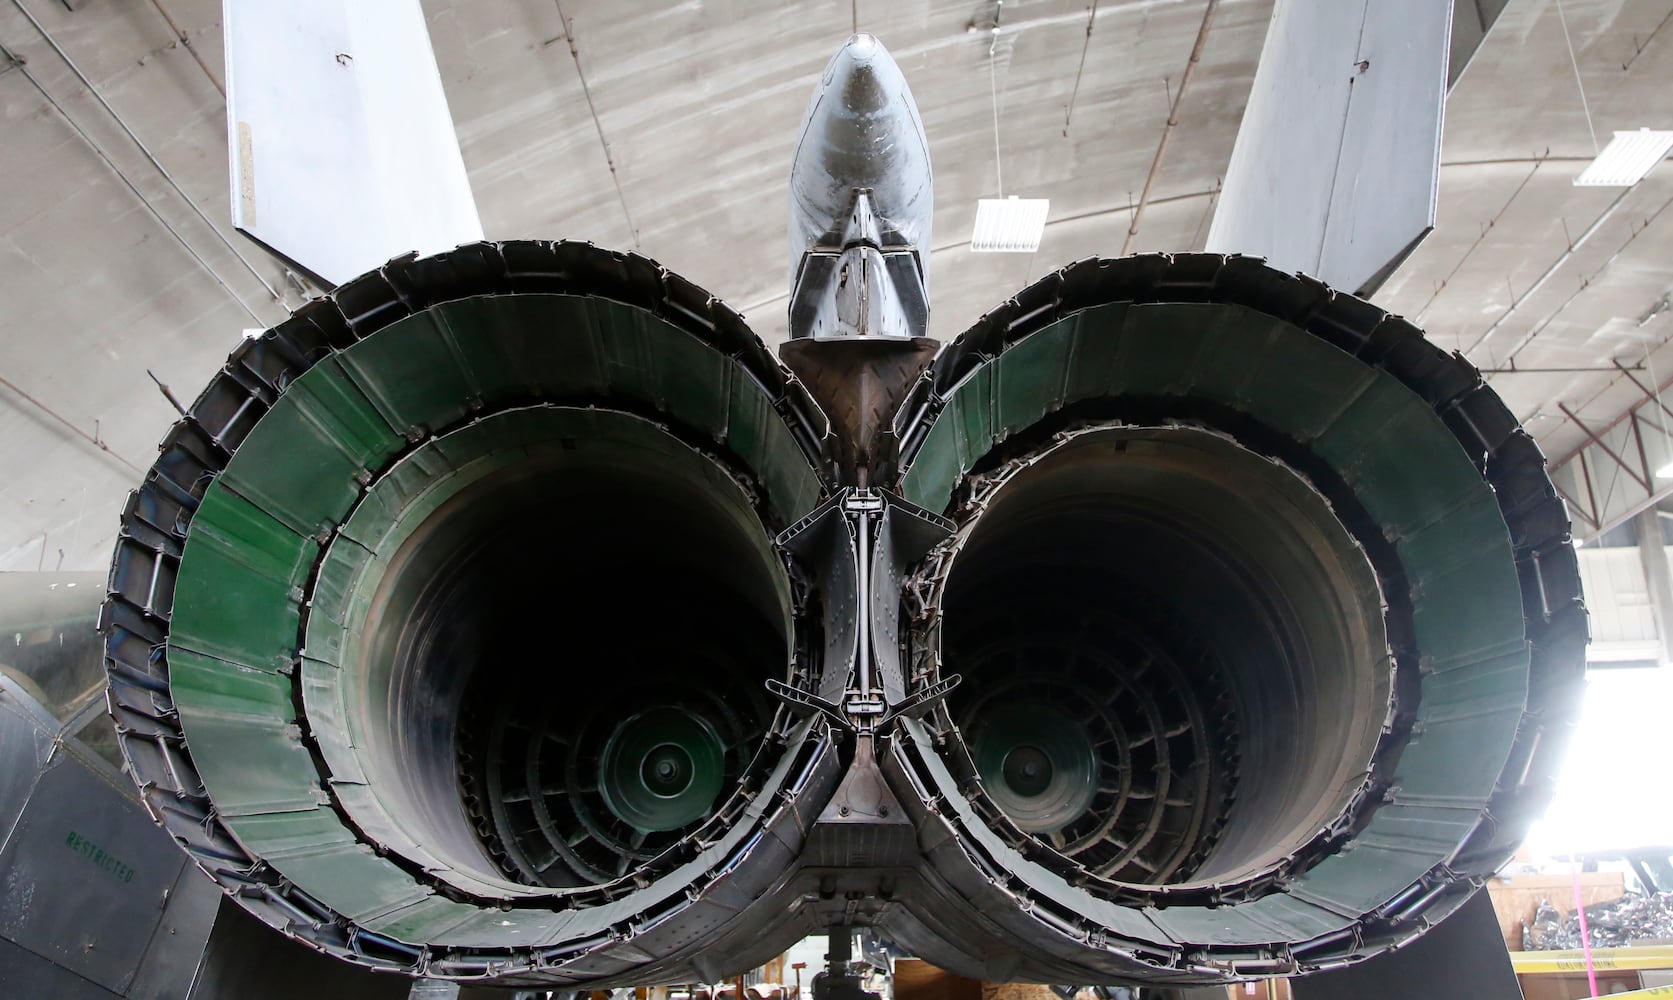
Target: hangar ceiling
[667,128]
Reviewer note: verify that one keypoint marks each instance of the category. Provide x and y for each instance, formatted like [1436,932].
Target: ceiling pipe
[1173,120]
[123,124]
[191,49]
[91,439]
[127,182]
[1586,283]
[1539,283]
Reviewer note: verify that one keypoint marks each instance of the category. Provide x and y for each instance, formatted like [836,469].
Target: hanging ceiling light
[1005,225]
[1627,158]
[1009,225]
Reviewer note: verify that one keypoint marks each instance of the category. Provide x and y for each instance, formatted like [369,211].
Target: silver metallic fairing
[860,203]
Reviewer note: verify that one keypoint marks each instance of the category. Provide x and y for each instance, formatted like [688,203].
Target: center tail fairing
[861,200]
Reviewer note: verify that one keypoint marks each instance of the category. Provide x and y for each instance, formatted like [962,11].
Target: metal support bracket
[1612,476]
[861,540]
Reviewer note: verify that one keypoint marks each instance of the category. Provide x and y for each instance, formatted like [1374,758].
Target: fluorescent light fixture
[1665,472]
[1009,225]
[1627,158]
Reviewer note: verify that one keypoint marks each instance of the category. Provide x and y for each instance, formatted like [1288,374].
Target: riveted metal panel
[1157,348]
[1097,337]
[757,433]
[1299,384]
[352,880]
[413,376]
[1459,760]
[450,924]
[25,741]
[516,326]
[531,345]
[1373,431]
[1422,481]
[1030,379]
[241,576]
[696,382]
[929,482]
[299,462]
[1358,879]
[975,418]
[26,974]
[1421,826]
[82,847]
[303,831]
[260,765]
[1233,354]
[171,962]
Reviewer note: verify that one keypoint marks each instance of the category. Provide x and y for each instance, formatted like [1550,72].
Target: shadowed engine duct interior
[441,628]
[1258,614]
[1175,657]
[532,635]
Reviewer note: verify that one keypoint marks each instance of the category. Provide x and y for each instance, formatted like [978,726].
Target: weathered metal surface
[75,909]
[82,847]
[26,974]
[861,200]
[26,735]
[1463,958]
[1225,373]
[356,401]
[1346,190]
[860,383]
[1485,621]
[172,961]
[1297,567]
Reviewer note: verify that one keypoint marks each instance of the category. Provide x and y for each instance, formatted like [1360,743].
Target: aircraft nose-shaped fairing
[860,203]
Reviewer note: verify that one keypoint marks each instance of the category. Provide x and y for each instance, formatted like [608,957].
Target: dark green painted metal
[232,703]
[1403,465]
[462,925]
[392,509]
[1029,379]
[303,832]
[302,475]
[512,333]
[299,463]
[355,882]
[244,565]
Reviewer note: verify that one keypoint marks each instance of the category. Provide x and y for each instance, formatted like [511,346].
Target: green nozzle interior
[445,535]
